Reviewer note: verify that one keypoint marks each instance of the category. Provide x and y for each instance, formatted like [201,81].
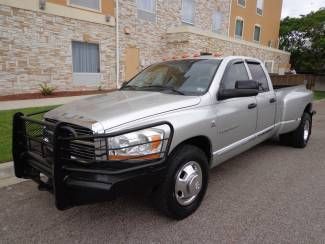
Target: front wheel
[185,184]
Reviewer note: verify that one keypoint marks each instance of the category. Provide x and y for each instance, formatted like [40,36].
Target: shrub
[46,90]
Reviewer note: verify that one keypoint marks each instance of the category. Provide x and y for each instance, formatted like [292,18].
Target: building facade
[89,45]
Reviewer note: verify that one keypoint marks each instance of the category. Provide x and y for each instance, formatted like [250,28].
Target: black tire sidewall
[182,156]
[299,135]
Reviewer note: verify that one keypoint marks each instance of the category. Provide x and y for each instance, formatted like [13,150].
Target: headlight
[149,143]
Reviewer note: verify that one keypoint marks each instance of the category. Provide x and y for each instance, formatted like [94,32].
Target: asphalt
[270,194]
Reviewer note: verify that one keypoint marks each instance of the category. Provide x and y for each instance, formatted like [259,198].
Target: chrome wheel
[188,183]
[306,130]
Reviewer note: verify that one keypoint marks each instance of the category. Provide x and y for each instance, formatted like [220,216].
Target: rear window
[191,77]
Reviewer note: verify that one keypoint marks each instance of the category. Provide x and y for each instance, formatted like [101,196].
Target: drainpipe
[117,44]
[230,7]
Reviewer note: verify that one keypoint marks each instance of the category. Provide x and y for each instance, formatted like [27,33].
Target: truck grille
[76,149]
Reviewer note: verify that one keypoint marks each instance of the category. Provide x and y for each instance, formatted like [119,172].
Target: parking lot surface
[270,194]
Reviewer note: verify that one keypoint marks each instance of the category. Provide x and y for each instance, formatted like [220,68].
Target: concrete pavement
[270,194]
[6,105]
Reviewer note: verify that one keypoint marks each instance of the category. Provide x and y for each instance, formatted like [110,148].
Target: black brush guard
[75,174]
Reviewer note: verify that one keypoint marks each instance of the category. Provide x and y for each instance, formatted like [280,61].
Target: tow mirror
[243,88]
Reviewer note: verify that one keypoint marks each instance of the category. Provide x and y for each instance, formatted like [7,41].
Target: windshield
[183,77]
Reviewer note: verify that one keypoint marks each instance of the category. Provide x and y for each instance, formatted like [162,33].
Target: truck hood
[119,107]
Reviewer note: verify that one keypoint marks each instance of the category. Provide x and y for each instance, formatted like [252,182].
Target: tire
[300,137]
[185,165]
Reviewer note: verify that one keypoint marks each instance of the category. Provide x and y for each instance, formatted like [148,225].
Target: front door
[132,63]
[235,117]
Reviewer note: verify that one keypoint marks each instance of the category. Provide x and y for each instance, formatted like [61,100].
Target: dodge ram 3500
[163,131]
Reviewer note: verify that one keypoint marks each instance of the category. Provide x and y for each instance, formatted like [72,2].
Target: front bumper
[75,181]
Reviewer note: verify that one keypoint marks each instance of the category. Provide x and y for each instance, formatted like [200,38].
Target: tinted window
[259,75]
[234,73]
[192,77]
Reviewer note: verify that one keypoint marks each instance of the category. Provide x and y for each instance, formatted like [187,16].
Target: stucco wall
[36,48]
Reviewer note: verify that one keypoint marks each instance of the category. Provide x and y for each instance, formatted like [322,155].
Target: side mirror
[243,88]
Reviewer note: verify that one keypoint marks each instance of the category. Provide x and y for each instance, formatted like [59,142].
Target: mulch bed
[55,94]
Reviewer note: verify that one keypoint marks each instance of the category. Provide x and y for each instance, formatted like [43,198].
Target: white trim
[60,10]
[242,36]
[243,6]
[269,61]
[197,31]
[257,25]
[86,8]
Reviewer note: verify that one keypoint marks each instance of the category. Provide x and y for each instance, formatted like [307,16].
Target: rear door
[235,117]
[266,99]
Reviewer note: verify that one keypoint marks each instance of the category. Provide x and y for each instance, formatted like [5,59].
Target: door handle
[252,105]
[273,100]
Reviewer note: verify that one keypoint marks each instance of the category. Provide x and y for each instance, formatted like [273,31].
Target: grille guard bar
[59,165]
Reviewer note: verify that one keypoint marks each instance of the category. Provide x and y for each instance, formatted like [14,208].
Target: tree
[304,38]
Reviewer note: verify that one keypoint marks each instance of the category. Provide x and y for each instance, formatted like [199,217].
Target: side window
[258,74]
[235,72]
[188,11]
[85,57]
[147,9]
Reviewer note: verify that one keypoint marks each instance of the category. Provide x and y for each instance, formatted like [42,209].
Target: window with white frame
[241,3]
[257,33]
[217,21]
[259,7]
[90,4]
[188,11]
[239,28]
[269,65]
[147,9]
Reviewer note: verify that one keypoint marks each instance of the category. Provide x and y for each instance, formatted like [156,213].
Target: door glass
[259,75]
[235,72]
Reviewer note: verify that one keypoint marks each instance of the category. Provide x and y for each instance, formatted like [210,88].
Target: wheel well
[308,108]
[201,142]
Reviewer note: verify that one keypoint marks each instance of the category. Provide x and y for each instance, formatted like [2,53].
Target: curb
[7,170]
[7,175]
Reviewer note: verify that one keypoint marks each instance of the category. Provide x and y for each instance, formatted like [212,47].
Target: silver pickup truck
[162,131]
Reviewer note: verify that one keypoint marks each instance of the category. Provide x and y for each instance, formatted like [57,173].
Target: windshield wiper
[163,88]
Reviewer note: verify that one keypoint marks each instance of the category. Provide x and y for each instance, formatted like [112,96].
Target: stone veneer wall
[191,42]
[150,36]
[36,48]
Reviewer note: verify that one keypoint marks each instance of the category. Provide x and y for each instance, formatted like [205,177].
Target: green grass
[6,129]
[319,95]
